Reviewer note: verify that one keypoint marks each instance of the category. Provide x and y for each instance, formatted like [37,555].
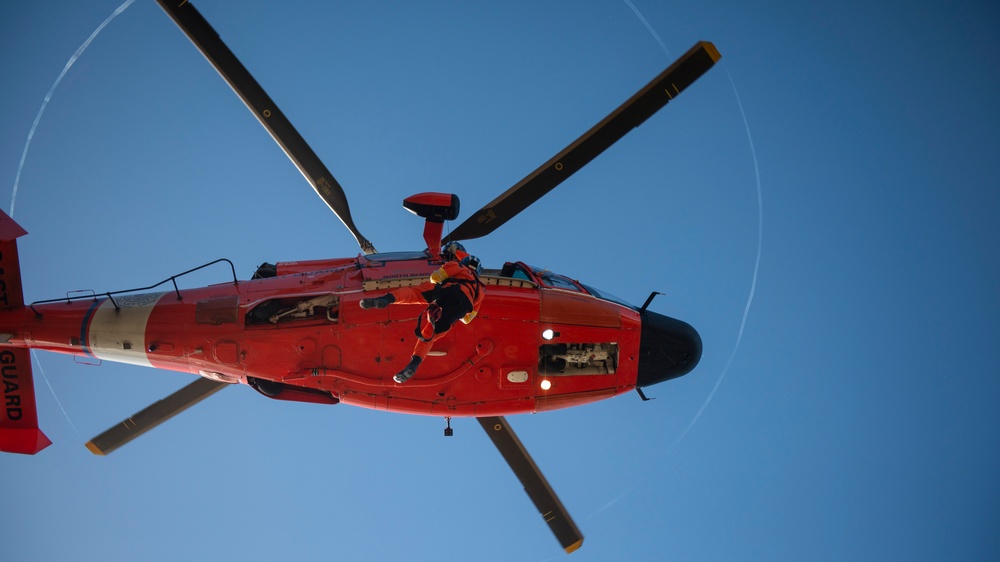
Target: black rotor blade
[201,33]
[534,482]
[153,415]
[647,101]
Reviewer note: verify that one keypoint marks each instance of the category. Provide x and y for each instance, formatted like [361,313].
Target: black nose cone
[668,348]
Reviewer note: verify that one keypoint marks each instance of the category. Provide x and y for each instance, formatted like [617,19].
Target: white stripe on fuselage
[119,335]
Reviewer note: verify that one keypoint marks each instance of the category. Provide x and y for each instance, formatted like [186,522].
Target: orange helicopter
[296,332]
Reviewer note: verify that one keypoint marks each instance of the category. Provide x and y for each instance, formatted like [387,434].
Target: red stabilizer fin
[24,441]
[10,230]
[19,431]
[11,293]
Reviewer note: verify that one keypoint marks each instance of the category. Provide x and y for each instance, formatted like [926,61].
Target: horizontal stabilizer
[11,294]
[24,441]
[10,230]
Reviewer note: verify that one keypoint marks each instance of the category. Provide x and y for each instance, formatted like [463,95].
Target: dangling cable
[46,378]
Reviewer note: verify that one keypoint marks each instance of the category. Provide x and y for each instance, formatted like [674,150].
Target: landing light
[546,384]
[549,334]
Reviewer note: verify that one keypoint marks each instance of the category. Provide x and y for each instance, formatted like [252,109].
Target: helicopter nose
[668,348]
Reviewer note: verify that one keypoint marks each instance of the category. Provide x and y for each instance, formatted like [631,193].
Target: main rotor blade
[647,101]
[201,33]
[534,482]
[155,414]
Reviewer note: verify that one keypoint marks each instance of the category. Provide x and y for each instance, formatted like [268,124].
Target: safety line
[46,379]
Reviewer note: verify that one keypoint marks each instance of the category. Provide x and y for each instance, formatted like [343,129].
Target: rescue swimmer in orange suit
[453,292]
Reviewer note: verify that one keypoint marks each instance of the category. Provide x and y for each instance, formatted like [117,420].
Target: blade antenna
[534,482]
[207,40]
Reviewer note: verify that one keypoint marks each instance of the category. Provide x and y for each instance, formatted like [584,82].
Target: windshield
[609,297]
[397,256]
[557,281]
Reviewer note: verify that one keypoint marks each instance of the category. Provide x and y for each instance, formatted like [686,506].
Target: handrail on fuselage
[172,278]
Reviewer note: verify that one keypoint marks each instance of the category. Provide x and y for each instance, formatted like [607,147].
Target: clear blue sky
[858,419]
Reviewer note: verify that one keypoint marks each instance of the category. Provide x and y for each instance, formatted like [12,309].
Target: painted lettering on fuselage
[9,373]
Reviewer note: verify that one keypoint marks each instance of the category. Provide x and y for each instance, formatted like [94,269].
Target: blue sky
[856,420]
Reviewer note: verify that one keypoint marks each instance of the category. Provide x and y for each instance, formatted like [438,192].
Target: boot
[380,302]
[408,372]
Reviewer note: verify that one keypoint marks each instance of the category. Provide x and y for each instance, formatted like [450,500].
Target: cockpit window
[515,271]
[397,256]
[519,270]
[520,274]
[558,281]
[608,296]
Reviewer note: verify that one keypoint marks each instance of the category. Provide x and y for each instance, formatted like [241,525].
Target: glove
[468,317]
[438,276]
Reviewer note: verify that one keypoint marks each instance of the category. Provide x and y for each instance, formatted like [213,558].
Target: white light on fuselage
[546,384]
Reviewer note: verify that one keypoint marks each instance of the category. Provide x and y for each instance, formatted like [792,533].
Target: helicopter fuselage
[541,341]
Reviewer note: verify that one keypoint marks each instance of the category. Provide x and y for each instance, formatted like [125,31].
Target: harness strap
[476,284]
